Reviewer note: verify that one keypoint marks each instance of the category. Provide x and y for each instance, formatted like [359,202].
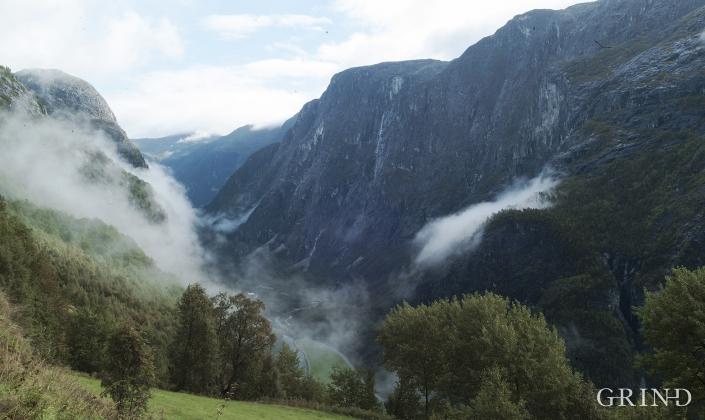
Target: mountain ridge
[68,96]
[388,148]
[204,165]
[529,113]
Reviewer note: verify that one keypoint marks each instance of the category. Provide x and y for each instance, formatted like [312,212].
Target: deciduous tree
[245,337]
[352,388]
[194,350]
[673,322]
[129,372]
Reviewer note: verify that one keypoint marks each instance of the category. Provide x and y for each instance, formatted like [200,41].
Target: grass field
[321,359]
[175,405]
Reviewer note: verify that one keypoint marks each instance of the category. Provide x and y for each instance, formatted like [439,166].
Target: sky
[210,66]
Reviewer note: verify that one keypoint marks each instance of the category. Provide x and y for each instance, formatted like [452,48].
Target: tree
[488,331]
[403,402]
[447,349]
[291,375]
[86,339]
[418,361]
[245,337]
[129,372]
[352,388]
[494,399]
[312,389]
[673,322]
[194,348]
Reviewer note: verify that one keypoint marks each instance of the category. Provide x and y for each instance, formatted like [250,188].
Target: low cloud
[440,30]
[63,165]
[461,232]
[94,40]
[197,137]
[243,25]
[217,99]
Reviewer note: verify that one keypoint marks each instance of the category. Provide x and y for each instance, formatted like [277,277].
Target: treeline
[476,356]
[224,347]
[483,356]
[88,298]
[480,357]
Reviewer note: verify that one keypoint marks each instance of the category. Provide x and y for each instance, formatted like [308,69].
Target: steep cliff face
[388,147]
[66,95]
[629,207]
[609,93]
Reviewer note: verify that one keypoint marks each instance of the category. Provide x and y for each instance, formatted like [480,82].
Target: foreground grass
[176,405]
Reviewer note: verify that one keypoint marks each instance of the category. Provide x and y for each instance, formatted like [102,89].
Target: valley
[427,238]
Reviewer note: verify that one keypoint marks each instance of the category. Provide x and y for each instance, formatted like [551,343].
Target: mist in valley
[450,236]
[63,164]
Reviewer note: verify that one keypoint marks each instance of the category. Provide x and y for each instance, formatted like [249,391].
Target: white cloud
[218,99]
[455,234]
[411,29]
[84,37]
[45,161]
[196,137]
[137,59]
[293,68]
[243,25]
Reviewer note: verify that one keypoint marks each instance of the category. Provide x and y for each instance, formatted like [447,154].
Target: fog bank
[461,232]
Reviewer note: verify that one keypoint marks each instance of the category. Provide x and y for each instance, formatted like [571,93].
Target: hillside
[31,389]
[68,274]
[15,96]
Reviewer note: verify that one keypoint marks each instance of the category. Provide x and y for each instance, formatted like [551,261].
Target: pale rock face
[15,96]
[62,92]
[67,96]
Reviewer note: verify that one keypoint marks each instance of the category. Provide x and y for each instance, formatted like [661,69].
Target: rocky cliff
[64,95]
[609,93]
[388,147]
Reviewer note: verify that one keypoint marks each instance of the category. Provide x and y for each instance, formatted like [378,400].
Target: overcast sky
[174,66]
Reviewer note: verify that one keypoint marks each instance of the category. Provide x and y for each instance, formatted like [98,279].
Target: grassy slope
[175,405]
[29,388]
[321,359]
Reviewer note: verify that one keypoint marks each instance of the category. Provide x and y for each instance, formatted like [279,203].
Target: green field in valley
[320,359]
[176,405]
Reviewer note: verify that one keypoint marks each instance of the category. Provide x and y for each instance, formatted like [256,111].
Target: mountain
[64,95]
[203,165]
[608,93]
[15,96]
